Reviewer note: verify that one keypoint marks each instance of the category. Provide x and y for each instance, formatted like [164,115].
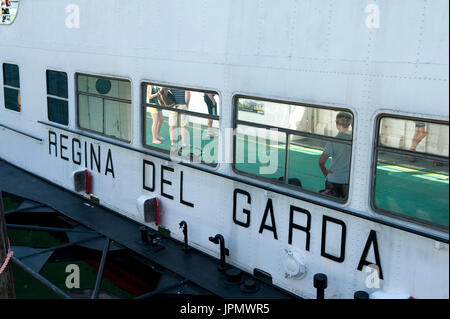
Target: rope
[8,258]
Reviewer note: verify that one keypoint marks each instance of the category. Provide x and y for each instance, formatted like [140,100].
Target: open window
[411,170]
[305,147]
[182,122]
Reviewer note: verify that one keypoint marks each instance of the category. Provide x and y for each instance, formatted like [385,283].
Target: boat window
[411,171]
[305,147]
[57,97]
[104,105]
[181,121]
[11,86]
[9,11]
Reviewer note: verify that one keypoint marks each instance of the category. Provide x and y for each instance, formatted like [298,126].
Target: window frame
[77,92]
[376,148]
[15,17]
[58,97]
[144,105]
[18,89]
[288,132]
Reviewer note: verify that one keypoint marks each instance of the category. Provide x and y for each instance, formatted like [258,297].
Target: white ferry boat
[291,139]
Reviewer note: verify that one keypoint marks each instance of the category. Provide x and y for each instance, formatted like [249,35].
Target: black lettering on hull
[146,165]
[325,220]
[76,150]
[109,164]
[371,240]
[76,160]
[63,147]
[144,173]
[293,226]
[182,201]
[95,158]
[273,228]
[52,142]
[85,155]
[245,224]
[165,181]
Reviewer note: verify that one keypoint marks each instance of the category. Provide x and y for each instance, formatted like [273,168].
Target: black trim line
[21,132]
[294,132]
[187,112]
[111,98]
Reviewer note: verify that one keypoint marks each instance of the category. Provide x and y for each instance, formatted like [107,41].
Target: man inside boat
[337,176]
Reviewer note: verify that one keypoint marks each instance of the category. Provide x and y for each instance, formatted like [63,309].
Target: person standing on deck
[182,99]
[337,176]
[212,110]
[152,93]
[419,134]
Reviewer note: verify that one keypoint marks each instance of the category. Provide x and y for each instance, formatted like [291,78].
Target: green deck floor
[415,193]
[205,148]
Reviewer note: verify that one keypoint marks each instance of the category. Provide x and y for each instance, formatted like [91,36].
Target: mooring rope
[8,258]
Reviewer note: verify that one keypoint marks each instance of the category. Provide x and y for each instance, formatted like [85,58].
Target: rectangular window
[183,122]
[57,97]
[11,86]
[411,172]
[300,146]
[104,105]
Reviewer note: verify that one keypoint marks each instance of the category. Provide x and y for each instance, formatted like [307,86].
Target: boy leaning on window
[337,176]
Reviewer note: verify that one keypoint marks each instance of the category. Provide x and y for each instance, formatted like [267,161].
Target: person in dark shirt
[182,99]
[212,110]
